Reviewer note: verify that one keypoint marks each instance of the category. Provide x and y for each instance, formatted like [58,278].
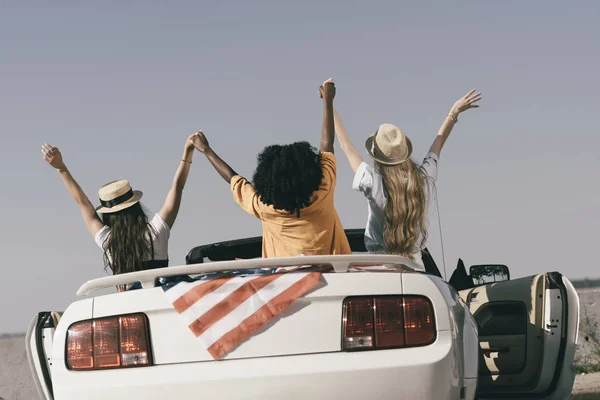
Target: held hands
[464,103]
[189,143]
[53,157]
[199,142]
[327,90]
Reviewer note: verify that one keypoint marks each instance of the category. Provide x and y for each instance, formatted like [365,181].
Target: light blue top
[370,183]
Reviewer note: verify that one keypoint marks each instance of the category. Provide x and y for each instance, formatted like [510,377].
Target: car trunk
[315,327]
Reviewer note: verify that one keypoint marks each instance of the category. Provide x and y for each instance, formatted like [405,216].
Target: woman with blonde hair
[129,239]
[398,190]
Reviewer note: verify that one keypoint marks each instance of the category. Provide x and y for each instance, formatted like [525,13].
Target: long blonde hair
[405,208]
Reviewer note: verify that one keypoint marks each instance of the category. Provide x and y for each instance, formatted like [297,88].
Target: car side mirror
[484,274]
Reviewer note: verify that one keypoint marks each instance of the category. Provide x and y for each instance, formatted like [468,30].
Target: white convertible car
[373,329]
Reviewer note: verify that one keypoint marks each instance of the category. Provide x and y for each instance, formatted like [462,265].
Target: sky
[118,87]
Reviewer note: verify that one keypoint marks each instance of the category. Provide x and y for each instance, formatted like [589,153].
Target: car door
[527,334]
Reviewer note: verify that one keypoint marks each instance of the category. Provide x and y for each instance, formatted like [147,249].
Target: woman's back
[370,182]
[131,242]
[399,191]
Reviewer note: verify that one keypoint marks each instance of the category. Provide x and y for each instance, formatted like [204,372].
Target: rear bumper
[420,373]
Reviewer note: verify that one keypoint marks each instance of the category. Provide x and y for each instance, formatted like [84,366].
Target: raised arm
[201,144]
[352,154]
[464,103]
[327,93]
[53,156]
[170,209]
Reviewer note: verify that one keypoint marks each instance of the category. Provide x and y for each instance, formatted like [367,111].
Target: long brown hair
[127,246]
[405,208]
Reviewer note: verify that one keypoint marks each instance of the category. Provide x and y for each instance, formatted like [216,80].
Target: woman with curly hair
[292,193]
[129,239]
[398,190]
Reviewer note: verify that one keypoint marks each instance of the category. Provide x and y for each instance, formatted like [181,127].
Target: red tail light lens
[106,343]
[80,346]
[384,322]
[389,322]
[113,342]
[358,324]
[134,340]
[418,321]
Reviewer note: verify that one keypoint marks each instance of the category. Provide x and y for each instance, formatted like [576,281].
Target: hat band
[375,149]
[117,200]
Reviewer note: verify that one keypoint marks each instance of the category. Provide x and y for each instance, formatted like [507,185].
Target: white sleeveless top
[160,237]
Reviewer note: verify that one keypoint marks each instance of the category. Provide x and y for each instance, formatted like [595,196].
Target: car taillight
[389,322]
[106,343]
[112,342]
[80,346]
[384,322]
[419,325]
[358,327]
[134,341]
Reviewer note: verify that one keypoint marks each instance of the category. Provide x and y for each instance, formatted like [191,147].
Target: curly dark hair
[286,176]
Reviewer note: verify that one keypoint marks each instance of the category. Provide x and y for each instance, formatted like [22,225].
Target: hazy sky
[118,87]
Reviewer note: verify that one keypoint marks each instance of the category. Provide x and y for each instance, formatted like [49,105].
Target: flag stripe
[223,312]
[212,298]
[179,289]
[263,315]
[248,307]
[230,303]
[196,293]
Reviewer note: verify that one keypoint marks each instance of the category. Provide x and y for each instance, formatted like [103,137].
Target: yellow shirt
[318,230]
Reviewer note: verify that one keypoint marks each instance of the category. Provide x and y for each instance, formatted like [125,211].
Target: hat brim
[369,146]
[137,195]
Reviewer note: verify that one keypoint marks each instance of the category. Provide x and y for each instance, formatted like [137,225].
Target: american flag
[224,311]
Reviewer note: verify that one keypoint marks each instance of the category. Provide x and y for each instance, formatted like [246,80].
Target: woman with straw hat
[130,241]
[398,190]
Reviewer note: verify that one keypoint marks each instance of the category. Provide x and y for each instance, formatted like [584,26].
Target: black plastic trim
[555,278]
[42,322]
[252,248]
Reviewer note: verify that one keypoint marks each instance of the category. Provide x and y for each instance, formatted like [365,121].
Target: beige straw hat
[116,196]
[389,145]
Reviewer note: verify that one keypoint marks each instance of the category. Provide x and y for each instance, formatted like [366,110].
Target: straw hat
[389,145]
[116,196]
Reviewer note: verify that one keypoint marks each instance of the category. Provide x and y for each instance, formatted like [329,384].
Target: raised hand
[53,156]
[327,90]
[463,104]
[189,143]
[200,142]
[466,102]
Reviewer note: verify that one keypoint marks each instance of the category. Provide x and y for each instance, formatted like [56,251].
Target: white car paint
[417,373]
[298,357]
